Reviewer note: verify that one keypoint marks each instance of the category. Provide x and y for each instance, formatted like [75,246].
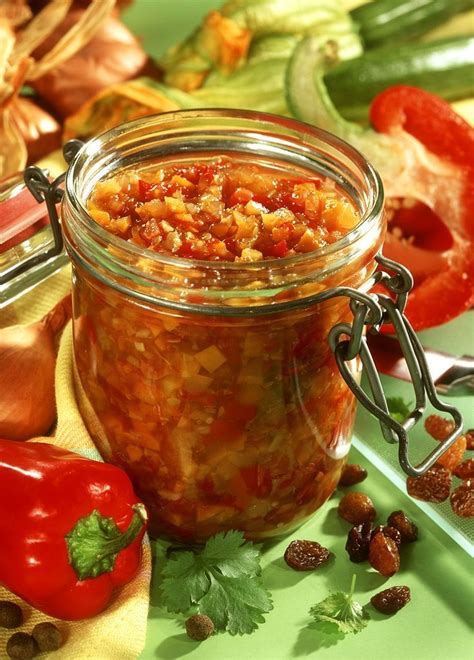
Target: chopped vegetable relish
[222,210]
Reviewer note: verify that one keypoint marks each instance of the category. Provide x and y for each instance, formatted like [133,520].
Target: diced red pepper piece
[280,249]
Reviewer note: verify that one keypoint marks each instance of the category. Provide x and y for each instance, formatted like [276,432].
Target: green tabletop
[437,624]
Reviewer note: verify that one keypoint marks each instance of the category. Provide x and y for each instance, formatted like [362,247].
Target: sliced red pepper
[443,268]
[70,529]
[428,118]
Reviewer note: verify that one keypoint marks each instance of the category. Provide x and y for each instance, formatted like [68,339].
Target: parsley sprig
[342,611]
[222,580]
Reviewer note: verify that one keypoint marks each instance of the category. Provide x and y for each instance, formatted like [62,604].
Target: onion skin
[113,55]
[27,357]
[27,369]
[41,132]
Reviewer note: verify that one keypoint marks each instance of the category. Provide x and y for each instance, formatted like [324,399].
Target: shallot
[27,365]
[111,56]
[40,131]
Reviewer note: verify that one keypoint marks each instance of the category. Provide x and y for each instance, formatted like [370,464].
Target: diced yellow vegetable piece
[120,225]
[175,205]
[210,358]
[248,254]
[347,216]
[181,181]
[102,217]
[197,384]
[253,208]
[170,323]
[307,242]
[271,220]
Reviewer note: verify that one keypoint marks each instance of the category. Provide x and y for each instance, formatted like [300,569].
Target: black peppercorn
[11,615]
[47,636]
[21,646]
[199,627]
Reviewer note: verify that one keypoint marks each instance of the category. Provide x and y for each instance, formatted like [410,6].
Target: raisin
[391,532]
[465,470]
[408,530]
[438,427]
[389,601]
[383,555]
[433,486]
[470,440]
[356,508]
[352,474]
[358,540]
[306,555]
[462,499]
[453,456]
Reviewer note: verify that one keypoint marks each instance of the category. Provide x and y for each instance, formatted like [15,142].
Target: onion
[27,364]
[40,131]
[113,55]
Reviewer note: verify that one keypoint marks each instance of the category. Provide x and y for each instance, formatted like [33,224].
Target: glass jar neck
[245,288]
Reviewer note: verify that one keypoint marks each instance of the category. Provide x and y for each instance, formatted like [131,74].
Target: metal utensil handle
[348,341]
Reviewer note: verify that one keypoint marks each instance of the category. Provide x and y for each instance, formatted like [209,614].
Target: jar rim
[91,148]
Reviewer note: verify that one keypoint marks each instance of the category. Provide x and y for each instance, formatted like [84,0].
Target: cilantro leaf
[184,582]
[236,604]
[340,609]
[399,409]
[221,580]
[231,555]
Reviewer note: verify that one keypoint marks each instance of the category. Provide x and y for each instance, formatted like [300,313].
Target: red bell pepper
[440,250]
[70,529]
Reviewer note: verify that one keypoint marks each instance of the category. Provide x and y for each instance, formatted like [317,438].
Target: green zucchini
[382,21]
[309,101]
[443,67]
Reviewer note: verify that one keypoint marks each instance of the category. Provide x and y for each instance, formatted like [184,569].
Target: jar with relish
[201,243]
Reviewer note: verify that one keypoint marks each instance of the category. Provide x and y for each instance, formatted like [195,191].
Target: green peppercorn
[11,615]
[199,627]
[47,636]
[21,646]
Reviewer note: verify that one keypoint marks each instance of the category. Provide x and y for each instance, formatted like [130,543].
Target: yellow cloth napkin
[119,632]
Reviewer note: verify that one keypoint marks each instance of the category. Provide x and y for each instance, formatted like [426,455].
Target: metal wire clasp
[348,341]
[51,192]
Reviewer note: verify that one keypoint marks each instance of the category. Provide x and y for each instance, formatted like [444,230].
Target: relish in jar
[223,210]
[200,347]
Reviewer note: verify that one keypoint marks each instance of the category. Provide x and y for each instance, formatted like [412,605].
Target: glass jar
[212,383]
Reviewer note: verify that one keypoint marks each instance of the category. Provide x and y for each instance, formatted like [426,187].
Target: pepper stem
[125,539]
[95,542]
